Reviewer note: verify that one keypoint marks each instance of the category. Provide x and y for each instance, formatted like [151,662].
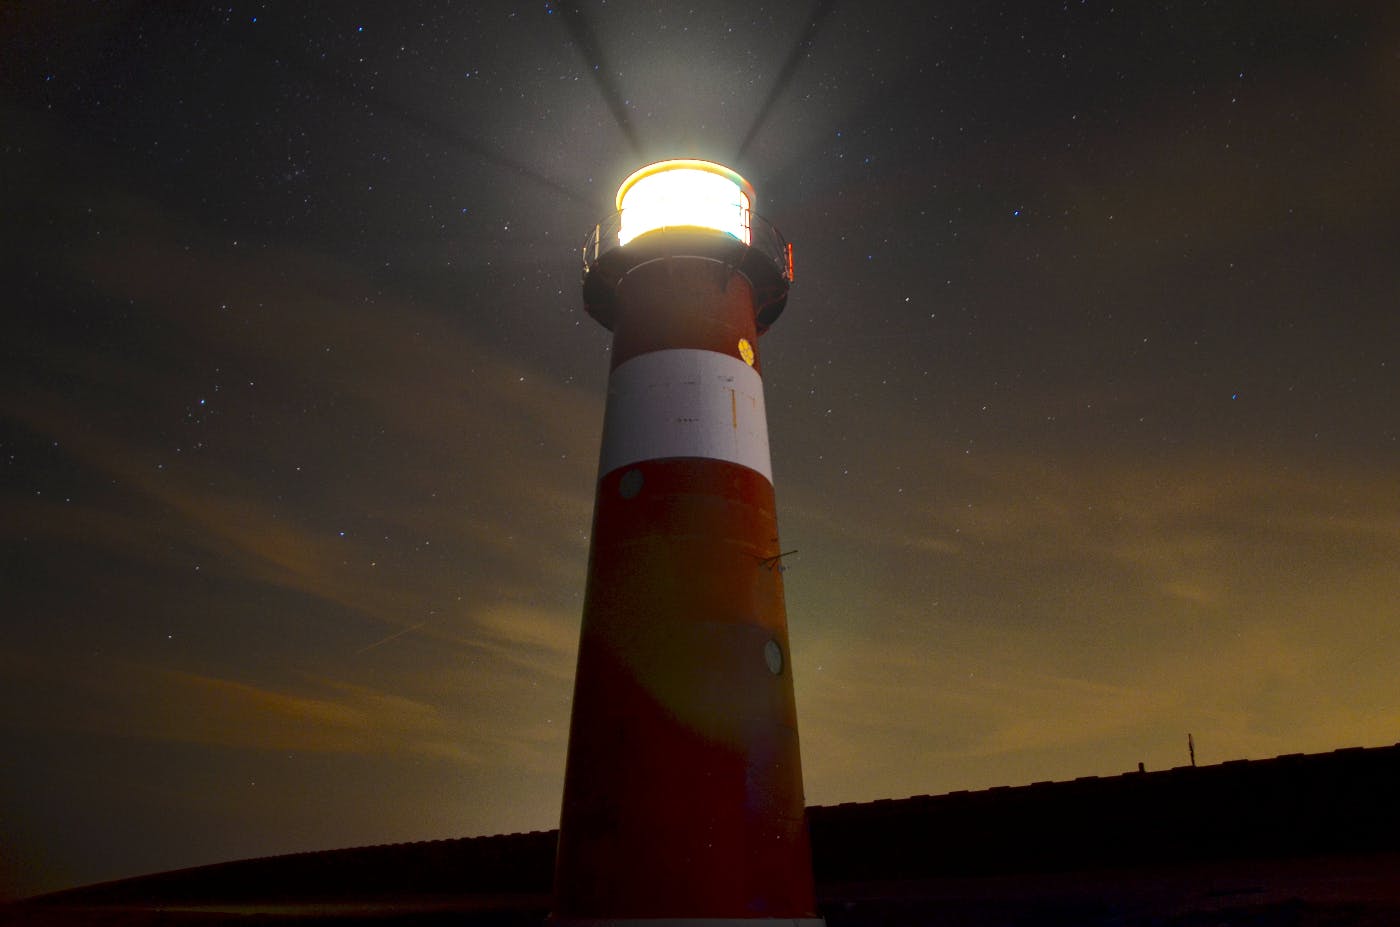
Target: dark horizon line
[834,816]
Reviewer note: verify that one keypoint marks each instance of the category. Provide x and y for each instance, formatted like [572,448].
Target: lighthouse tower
[683,800]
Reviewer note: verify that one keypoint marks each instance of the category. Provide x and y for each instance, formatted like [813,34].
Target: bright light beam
[794,59]
[584,39]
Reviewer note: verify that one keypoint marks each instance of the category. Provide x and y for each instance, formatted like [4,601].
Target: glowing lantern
[684,194]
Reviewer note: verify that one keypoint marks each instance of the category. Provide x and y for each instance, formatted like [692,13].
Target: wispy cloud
[398,427]
[1091,606]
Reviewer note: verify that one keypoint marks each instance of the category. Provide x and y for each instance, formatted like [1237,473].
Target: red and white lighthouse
[683,799]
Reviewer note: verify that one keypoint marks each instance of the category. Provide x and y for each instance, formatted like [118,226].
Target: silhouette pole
[683,800]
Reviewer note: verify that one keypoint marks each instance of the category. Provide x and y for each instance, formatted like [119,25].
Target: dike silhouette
[1292,841]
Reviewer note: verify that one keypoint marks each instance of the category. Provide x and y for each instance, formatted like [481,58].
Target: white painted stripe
[684,402]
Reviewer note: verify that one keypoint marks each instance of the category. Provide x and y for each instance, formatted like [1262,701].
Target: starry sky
[1085,408]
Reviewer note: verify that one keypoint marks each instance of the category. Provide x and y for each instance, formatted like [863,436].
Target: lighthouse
[683,801]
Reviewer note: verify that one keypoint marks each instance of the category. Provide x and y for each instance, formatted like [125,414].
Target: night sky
[1085,408]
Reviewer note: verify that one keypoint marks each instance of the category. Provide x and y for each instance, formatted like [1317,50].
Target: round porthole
[630,484]
[773,656]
